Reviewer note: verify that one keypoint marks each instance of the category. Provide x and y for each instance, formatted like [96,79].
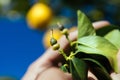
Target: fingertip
[115,76]
[53,73]
[100,24]
[91,76]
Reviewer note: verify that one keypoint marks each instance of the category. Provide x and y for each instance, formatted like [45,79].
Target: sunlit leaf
[80,67]
[99,45]
[85,27]
[114,37]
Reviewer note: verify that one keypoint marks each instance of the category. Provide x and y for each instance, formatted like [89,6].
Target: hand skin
[46,67]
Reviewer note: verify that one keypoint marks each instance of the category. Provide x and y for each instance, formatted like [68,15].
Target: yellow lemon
[39,16]
[46,39]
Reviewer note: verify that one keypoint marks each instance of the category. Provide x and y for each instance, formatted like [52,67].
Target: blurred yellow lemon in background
[56,34]
[46,39]
[39,16]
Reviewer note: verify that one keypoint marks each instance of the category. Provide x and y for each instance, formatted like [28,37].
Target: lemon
[39,16]
[46,39]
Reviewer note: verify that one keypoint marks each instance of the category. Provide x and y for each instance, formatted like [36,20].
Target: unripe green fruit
[56,46]
[65,31]
[53,41]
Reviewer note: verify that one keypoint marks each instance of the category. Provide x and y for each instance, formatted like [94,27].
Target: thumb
[54,73]
[115,76]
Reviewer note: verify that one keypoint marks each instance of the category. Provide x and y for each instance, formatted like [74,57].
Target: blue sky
[19,46]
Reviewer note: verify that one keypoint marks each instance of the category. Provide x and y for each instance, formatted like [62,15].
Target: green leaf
[95,62]
[104,30]
[99,68]
[99,45]
[87,49]
[102,60]
[85,27]
[73,71]
[101,74]
[80,67]
[99,58]
[114,37]
[64,68]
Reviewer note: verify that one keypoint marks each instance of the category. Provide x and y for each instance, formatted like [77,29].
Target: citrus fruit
[39,16]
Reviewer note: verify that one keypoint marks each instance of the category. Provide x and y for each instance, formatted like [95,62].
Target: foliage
[92,51]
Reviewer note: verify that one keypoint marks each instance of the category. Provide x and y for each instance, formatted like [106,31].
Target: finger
[54,73]
[115,76]
[100,24]
[91,76]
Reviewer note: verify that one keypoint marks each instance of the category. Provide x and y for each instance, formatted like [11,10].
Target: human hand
[46,67]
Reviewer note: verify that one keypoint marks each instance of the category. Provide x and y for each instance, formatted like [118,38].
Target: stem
[66,35]
[65,56]
[63,53]
[71,56]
